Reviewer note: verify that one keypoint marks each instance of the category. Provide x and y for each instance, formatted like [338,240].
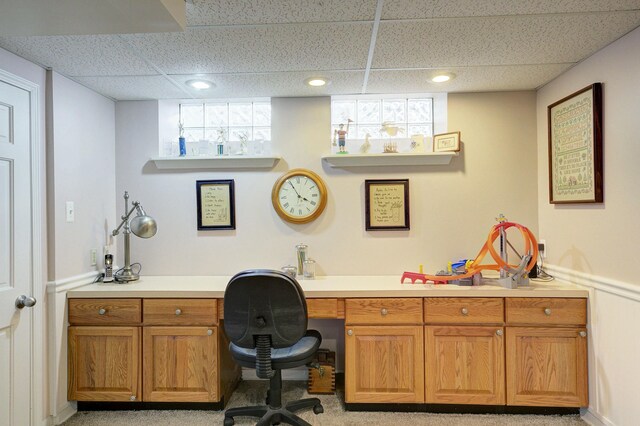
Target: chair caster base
[274,416]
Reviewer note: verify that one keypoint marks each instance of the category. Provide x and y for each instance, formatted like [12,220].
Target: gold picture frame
[446,142]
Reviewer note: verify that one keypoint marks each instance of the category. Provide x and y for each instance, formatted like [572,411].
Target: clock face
[299,196]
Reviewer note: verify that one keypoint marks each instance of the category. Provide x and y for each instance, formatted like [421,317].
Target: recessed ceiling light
[317,81]
[200,84]
[442,77]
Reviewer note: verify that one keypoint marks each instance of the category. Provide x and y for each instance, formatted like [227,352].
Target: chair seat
[301,353]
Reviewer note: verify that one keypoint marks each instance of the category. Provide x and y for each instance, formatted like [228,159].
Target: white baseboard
[593,418]
[65,413]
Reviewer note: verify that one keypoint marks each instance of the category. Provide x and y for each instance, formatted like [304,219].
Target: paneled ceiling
[251,48]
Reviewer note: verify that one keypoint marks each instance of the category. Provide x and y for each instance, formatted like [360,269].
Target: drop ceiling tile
[502,40]
[90,55]
[295,47]
[133,87]
[411,9]
[239,12]
[284,84]
[471,79]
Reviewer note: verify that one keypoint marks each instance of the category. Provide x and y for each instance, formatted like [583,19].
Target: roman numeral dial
[299,196]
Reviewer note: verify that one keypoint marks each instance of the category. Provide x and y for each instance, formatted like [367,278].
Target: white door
[15,257]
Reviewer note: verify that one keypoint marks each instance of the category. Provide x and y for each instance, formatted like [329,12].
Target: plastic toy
[511,275]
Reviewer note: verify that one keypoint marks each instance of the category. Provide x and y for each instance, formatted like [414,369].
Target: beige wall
[595,245]
[81,151]
[600,239]
[81,168]
[452,207]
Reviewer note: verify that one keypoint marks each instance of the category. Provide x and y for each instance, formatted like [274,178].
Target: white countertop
[324,287]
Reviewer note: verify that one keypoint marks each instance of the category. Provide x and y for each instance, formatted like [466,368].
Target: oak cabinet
[464,365]
[104,363]
[180,364]
[547,366]
[546,352]
[384,350]
[159,350]
[464,350]
[384,364]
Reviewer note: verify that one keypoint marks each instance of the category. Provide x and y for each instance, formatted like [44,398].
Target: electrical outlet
[542,249]
[93,255]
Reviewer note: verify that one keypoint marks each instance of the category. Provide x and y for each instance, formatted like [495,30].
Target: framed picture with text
[386,204]
[446,142]
[216,204]
[575,147]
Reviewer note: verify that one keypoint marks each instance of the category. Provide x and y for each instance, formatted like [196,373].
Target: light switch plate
[71,212]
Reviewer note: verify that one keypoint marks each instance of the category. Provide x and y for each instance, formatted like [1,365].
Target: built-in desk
[404,343]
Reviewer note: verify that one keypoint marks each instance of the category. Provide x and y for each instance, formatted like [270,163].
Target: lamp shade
[144,226]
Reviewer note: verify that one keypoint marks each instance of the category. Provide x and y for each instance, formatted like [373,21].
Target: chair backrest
[264,302]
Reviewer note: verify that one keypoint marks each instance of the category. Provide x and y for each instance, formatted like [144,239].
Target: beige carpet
[253,393]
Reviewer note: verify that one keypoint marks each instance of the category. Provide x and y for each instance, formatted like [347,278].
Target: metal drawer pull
[209,332]
[583,334]
[547,311]
[464,311]
[383,311]
[350,332]
[499,332]
[132,398]
[102,311]
[178,311]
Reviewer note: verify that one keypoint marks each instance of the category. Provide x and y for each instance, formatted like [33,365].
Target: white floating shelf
[390,159]
[226,162]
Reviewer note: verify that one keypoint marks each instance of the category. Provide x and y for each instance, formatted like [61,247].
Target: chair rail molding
[66,284]
[608,285]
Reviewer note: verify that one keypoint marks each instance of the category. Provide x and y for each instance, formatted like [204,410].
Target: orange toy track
[530,247]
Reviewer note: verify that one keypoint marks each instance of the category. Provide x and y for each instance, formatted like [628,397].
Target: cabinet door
[464,365]
[384,364]
[104,363]
[180,364]
[547,366]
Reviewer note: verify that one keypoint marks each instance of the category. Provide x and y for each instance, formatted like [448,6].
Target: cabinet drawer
[105,311]
[322,308]
[464,310]
[548,311]
[180,312]
[383,311]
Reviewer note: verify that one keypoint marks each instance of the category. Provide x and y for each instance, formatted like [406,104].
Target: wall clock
[299,196]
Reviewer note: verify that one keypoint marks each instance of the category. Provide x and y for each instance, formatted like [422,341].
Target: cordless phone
[108,268]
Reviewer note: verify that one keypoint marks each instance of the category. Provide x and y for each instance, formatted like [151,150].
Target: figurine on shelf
[390,128]
[244,138]
[341,134]
[182,144]
[221,141]
[366,146]
[390,147]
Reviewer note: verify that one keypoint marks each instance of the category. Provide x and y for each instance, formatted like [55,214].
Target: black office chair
[265,318]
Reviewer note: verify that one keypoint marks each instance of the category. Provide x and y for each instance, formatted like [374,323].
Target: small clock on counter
[299,196]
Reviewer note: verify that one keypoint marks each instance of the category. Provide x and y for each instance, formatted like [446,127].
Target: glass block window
[204,120]
[389,117]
